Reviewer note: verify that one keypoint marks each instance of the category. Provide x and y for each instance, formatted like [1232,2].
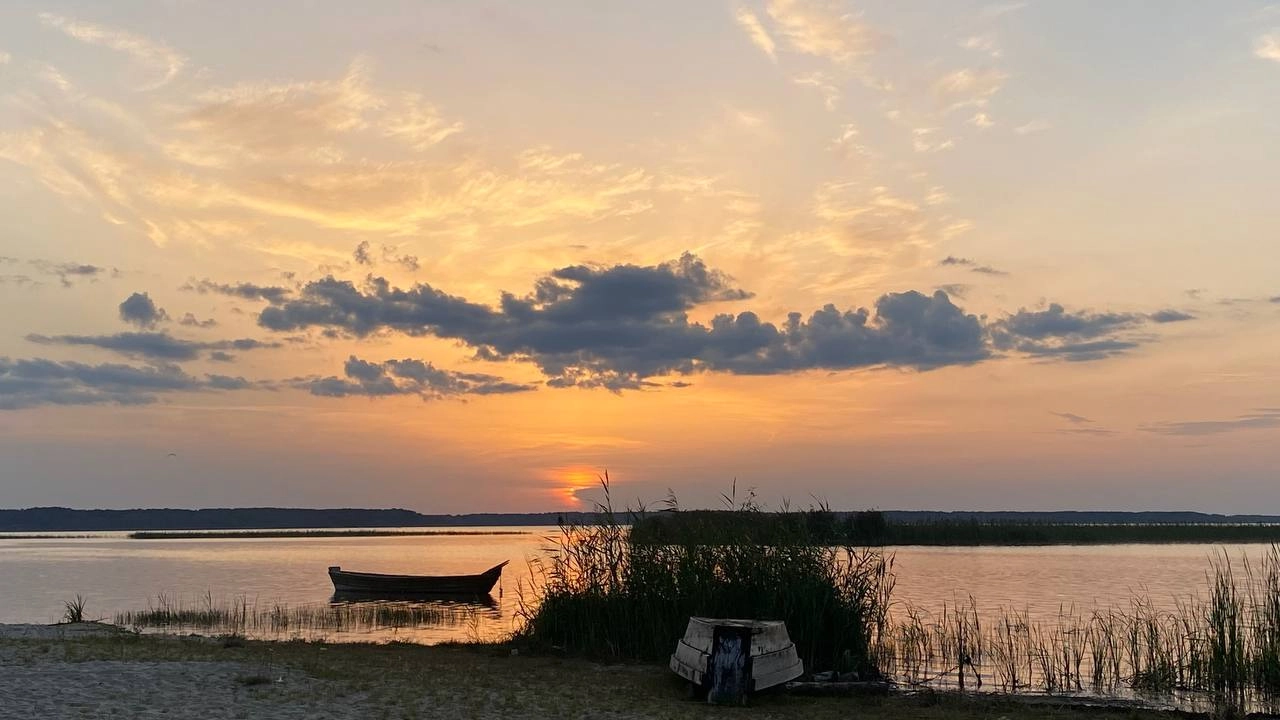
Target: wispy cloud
[823,84]
[756,32]
[1267,47]
[155,56]
[1260,419]
[823,29]
[1034,126]
[968,87]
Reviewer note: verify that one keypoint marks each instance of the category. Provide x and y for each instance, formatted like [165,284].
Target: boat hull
[773,656]
[380,585]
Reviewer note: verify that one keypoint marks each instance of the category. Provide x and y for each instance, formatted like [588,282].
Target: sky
[470,256]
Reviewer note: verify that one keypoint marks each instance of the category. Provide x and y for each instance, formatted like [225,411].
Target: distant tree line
[874,528]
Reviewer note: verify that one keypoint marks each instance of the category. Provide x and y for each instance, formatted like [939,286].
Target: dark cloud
[1094,431]
[191,321]
[1170,316]
[220,356]
[615,327]
[1275,299]
[152,345]
[408,262]
[19,280]
[953,260]
[139,309]
[36,382]
[988,270]
[361,254]
[1072,417]
[1056,332]
[955,289]
[407,377]
[68,272]
[1260,419]
[246,291]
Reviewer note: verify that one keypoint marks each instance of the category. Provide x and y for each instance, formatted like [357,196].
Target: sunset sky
[466,256]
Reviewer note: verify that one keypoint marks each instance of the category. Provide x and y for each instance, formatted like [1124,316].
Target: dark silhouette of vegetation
[605,596]
[873,528]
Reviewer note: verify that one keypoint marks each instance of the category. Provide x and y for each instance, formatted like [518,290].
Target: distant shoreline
[62,521]
[208,534]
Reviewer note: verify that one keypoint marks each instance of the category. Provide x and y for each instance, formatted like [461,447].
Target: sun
[567,482]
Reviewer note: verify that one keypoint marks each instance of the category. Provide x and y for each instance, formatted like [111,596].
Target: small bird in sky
[173,454]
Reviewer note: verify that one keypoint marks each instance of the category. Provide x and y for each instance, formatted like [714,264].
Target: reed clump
[606,594]
[1222,643]
[240,616]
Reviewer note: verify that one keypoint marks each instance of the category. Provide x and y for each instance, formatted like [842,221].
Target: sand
[92,671]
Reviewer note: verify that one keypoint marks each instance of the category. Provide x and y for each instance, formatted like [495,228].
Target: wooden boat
[771,656]
[374,584]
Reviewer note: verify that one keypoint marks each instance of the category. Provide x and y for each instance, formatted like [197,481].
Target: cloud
[1072,417]
[68,272]
[407,377]
[1057,332]
[361,253]
[823,29]
[36,382]
[247,291]
[982,120]
[1267,47]
[615,327]
[968,87]
[823,84]
[190,320]
[756,32]
[1260,419]
[952,260]
[139,309]
[152,345]
[1170,316]
[155,56]
[1056,321]
[1034,126]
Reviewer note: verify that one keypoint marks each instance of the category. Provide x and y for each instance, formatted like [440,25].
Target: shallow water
[117,574]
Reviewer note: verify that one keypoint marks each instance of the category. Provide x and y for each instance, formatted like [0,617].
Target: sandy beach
[91,671]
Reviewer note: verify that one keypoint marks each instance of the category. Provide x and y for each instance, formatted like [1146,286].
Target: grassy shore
[210,678]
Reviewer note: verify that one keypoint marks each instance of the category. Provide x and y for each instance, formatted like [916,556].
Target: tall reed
[605,593]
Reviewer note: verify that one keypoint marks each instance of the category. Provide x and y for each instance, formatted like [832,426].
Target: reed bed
[602,594]
[241,616]
[1223,642]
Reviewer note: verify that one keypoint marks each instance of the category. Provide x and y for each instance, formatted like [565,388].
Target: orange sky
[277,243]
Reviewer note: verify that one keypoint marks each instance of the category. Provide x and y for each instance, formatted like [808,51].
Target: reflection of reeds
[1225,643]
[241,616]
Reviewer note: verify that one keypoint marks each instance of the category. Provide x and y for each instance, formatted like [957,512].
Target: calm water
[117,574]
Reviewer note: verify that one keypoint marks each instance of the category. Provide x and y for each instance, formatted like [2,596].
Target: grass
[242,617]
[73,610]
[216,534]
[870,528]
[1222,644]
[604,595]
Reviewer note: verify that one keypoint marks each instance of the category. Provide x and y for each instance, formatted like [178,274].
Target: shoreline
[97,670]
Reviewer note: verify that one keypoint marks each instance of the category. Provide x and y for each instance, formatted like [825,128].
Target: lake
[117,574]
